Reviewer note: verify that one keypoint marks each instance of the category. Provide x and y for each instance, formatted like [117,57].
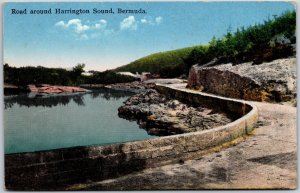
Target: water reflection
[110,94]
[36,100]
[72,120]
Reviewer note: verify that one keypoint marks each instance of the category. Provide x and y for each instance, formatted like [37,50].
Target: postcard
[149,95]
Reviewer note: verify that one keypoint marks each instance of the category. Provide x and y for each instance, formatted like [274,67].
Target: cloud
[150,21]
[76,24]
[144,20]
[84,30]
[60,24]
[128,23]
[101,24]
[158,20]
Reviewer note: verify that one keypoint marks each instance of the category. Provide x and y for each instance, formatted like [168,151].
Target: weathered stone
[169,117]
[272,81]
[136,86]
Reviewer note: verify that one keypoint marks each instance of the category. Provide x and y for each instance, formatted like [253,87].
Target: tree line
[256,43]
[23,76]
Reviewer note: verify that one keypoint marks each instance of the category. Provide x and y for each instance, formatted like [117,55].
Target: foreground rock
[161,116]
[50,89]
[272,81]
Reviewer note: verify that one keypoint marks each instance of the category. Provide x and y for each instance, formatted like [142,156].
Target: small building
[87,73]
[145,76]
[137,76]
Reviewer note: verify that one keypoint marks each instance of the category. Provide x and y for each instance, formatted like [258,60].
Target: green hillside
[258,43]
[156,63]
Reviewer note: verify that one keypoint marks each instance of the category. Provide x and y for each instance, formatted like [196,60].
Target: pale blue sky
[106,41]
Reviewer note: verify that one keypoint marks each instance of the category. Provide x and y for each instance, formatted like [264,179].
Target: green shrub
[108,77]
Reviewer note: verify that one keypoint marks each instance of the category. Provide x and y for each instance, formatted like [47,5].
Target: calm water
[34,123]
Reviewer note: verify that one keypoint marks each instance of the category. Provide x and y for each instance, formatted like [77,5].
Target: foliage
[245,44]
[248,44]
[76,72]
[36,75]
[58,76]
[108,77]
[157,62]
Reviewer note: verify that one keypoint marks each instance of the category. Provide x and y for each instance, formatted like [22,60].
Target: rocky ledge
[52,89]
[270,81]
[135,86]
[162,116]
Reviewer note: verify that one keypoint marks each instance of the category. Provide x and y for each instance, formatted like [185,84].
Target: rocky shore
[136,86]
[162,116]
[42,89]
[53,89]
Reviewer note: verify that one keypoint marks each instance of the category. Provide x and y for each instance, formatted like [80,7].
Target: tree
[76,73]
[78,69]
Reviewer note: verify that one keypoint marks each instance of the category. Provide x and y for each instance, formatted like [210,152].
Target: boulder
[269,81]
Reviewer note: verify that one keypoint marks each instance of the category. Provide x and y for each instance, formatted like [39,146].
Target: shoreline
[163,116]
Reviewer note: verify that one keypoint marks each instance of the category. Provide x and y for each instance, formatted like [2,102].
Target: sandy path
[266,159]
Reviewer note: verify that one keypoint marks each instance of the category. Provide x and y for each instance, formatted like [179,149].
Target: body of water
[33,123]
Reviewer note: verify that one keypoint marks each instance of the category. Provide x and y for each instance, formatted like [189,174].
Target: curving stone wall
[54,169]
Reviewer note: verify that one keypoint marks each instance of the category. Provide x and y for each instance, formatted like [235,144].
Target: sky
[106,41]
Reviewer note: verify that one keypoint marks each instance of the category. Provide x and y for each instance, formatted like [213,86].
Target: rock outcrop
[162,116]
[51,89]
[136,86]
[272,82]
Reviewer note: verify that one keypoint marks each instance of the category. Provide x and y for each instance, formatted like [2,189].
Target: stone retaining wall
[225,83]
[273,81]
[54,169]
